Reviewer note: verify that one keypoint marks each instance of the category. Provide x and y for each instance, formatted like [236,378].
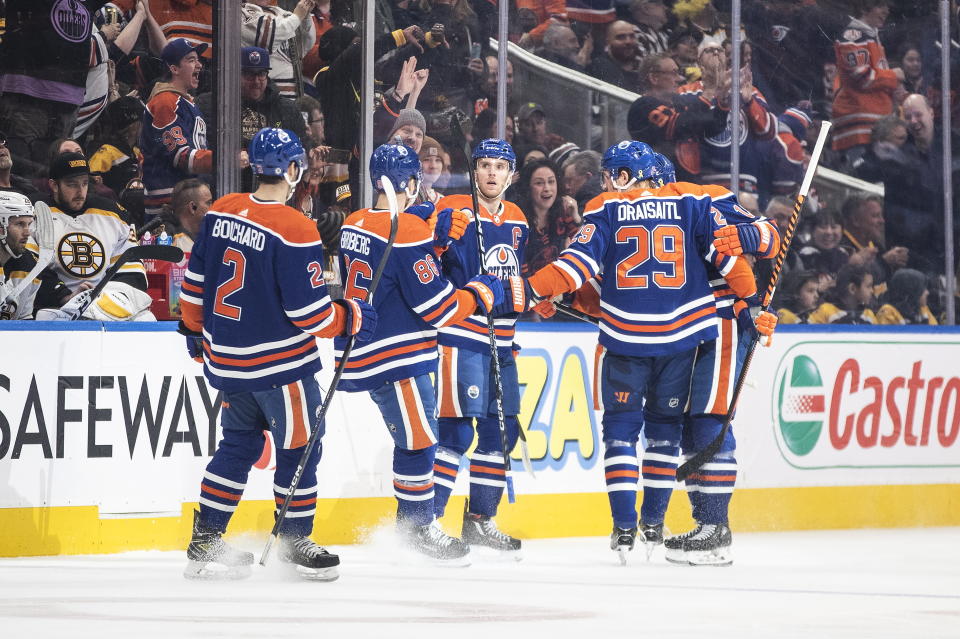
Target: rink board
[104,434]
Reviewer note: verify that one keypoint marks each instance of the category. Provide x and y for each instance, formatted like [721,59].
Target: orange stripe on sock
[443,470]
[220,493]
[633,474]
[656,470]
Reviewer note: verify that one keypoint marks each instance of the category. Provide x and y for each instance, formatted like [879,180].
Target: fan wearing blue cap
[173,138]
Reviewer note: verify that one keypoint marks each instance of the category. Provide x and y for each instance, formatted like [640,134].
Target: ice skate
[311,561]
[210,557]
[481,530]
[711,546]
[674,545]
[652,536]
[431,540]
[622,540]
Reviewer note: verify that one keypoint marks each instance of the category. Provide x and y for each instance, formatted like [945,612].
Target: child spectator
[797,297]
[849,301]
[906,300]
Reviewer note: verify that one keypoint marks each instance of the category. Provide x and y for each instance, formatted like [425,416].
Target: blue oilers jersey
[505,236]
[173,141]
[757,123]
[651,246]
[254,285]
[413,299]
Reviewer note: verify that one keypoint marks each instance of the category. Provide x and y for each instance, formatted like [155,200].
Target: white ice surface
[861,583]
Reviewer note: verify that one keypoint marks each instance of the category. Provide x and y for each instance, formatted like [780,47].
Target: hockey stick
[160,252]
[337,374]
[491,326]
[569,311]
[694,463]
[44,235]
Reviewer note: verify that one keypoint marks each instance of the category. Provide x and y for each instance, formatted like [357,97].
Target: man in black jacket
[261,105]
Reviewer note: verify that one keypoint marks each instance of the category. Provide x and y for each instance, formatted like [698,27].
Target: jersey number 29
[664,244]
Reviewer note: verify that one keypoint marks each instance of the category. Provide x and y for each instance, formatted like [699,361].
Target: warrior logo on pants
[81,254]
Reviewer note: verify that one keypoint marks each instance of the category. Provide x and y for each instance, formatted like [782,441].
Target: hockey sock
[711,487]
[298,521]
[622,473]
[413,484]
[660,461]
[226,475]
[445,468]
[714,487]
[694,495]
[487,481]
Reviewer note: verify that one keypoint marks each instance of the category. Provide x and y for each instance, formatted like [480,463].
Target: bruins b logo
[81,254]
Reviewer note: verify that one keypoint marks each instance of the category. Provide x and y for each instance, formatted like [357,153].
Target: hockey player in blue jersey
[253,303]
[466,388]
[395,366]
[656,305]
[717,366]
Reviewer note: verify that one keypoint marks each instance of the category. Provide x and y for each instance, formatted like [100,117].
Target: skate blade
[496,554]
[709,558]
[649,548]
[317,574]
[212,571]
[676,556]
[622,554]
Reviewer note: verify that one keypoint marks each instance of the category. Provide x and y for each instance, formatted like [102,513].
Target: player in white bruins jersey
[19,223]
[91,235]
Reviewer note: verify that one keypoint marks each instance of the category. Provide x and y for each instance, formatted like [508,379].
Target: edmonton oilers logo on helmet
[801,405]
[81,254]
[501,260]
[71,20]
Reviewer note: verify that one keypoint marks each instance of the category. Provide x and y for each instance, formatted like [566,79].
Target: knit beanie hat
[408,116]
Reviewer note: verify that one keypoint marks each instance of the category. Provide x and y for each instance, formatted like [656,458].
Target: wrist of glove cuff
[360,319]
[194,341]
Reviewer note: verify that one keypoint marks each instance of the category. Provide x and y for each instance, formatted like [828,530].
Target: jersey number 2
[664,243]
[220,306]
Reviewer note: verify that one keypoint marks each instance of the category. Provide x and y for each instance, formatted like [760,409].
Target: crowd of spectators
[129,85]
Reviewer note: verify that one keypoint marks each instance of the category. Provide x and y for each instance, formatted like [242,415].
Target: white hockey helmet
[12,204]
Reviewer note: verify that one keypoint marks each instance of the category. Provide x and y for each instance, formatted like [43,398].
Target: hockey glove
[737,239]
[514,297]
[423,211]
[361,319]
[487,289]
[534,302]
[194,342]
[755,322]
[449,225]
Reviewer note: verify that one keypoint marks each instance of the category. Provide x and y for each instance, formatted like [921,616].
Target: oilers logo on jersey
[722,139]
[501,260]
[81,254]
[200,134]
